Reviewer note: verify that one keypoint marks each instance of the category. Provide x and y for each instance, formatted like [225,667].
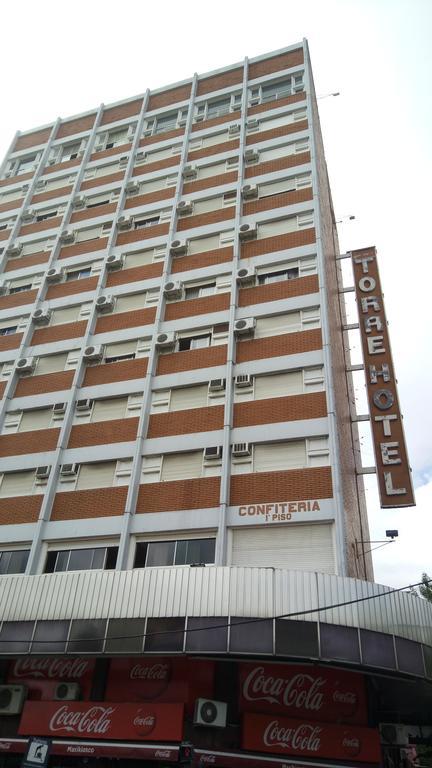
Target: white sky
[59,60]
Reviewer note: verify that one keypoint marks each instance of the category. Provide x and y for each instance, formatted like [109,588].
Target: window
[166,122]
[20,288]
[85,559]
[92,233]
[279,457]
[198,291]
[37,246]
[25,164]
[202,244]
[181,552]
[66,314]
[35,419]
[286,225]
[69,151]
[276,90]
[45,215]
[284,150]
[102,170]
[17,483]
[51,364]
[9,330]
[289,322]
[123,350]
[14,561]
[194,342]
[277,277]
[181,466]
[146,222]
[217,107]
[96,200]
[286,185]
[78,274]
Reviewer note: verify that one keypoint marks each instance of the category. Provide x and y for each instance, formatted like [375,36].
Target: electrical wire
[225,625]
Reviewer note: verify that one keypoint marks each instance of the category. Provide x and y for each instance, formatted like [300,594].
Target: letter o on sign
[367,284]
[383,399]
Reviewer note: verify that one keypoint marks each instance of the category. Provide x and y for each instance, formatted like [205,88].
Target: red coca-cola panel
[303,691]
[103,720]
[282,735]
[42,675]
[160,679]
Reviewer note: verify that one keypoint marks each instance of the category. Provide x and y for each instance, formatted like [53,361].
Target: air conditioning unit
[394,734]
[41,316]
[178,247]
[212,714]
[69,470]
[105,303]
[59,408]
[244,327]
[99,145]
[54,275]
[25,365]
[123,161]
[252,124]
[243,380]
[213,452]
[247,231]
[15,248]
[233,129]
[181,122]
[185,207]
[42,472]
[216,385]
[84,405]
[28,215]
[241,449]
[249,191]
[40,185]
[189,171]
[132,187]
[93,353]
[124,222]
[12,698]
[165,340]
[3,289]
[67,236]
[251,155]
[67,692]
[173,289]
[246,275]
[253,101]
[115,261]
[79,201]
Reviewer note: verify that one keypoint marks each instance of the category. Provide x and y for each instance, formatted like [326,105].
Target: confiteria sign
[394,476]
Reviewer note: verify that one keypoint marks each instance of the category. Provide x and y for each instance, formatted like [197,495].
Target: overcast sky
[60,60]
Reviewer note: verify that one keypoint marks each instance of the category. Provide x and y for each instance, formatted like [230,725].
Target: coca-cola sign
[301,690]
[160,679]
[41,675]
[103,720]
[281,735]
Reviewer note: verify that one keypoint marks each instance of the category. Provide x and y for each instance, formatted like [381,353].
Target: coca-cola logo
[144,722]
[207,759]
[5,745]
[155,678]
[163,754]
[302,738]
[50,669]
[351,745]
[299,691]
[92,720]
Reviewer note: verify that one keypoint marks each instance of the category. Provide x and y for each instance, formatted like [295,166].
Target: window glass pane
[80,559]
[18,561]
[180,466]
[17,483]
[111,558]
[62,560]
[160,553]
[4,562]
[140,554]
[98,560]
[39,419]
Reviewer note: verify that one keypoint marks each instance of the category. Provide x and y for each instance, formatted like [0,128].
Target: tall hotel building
[181,483]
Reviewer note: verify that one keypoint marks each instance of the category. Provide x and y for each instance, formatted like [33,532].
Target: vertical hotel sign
[394,475]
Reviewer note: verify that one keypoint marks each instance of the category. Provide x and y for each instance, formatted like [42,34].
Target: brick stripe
[89,246]
[277,409]
[59,332]
[10,342]
[102,180]
[215,149]
[292,485]
[91,213]
[186,422]
[29,442]
[27,261]
[193,307]
[103,432]
[199,493]
[157,137]
[20,509]
[275,346]
[145,233]
[51,194]
[41,226]
[131,319]
[200,260]
[152,197]
[212,181]
[124,370]
[134,274]
[301,286]
[62,166]
[71,287]
[70,127]
[271,166]
[121,149]
[95,502]
[229,118]
[17,299]
[191,359]
[274,133]
[47,382]
[276,103]
[277,243]
[277,201]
